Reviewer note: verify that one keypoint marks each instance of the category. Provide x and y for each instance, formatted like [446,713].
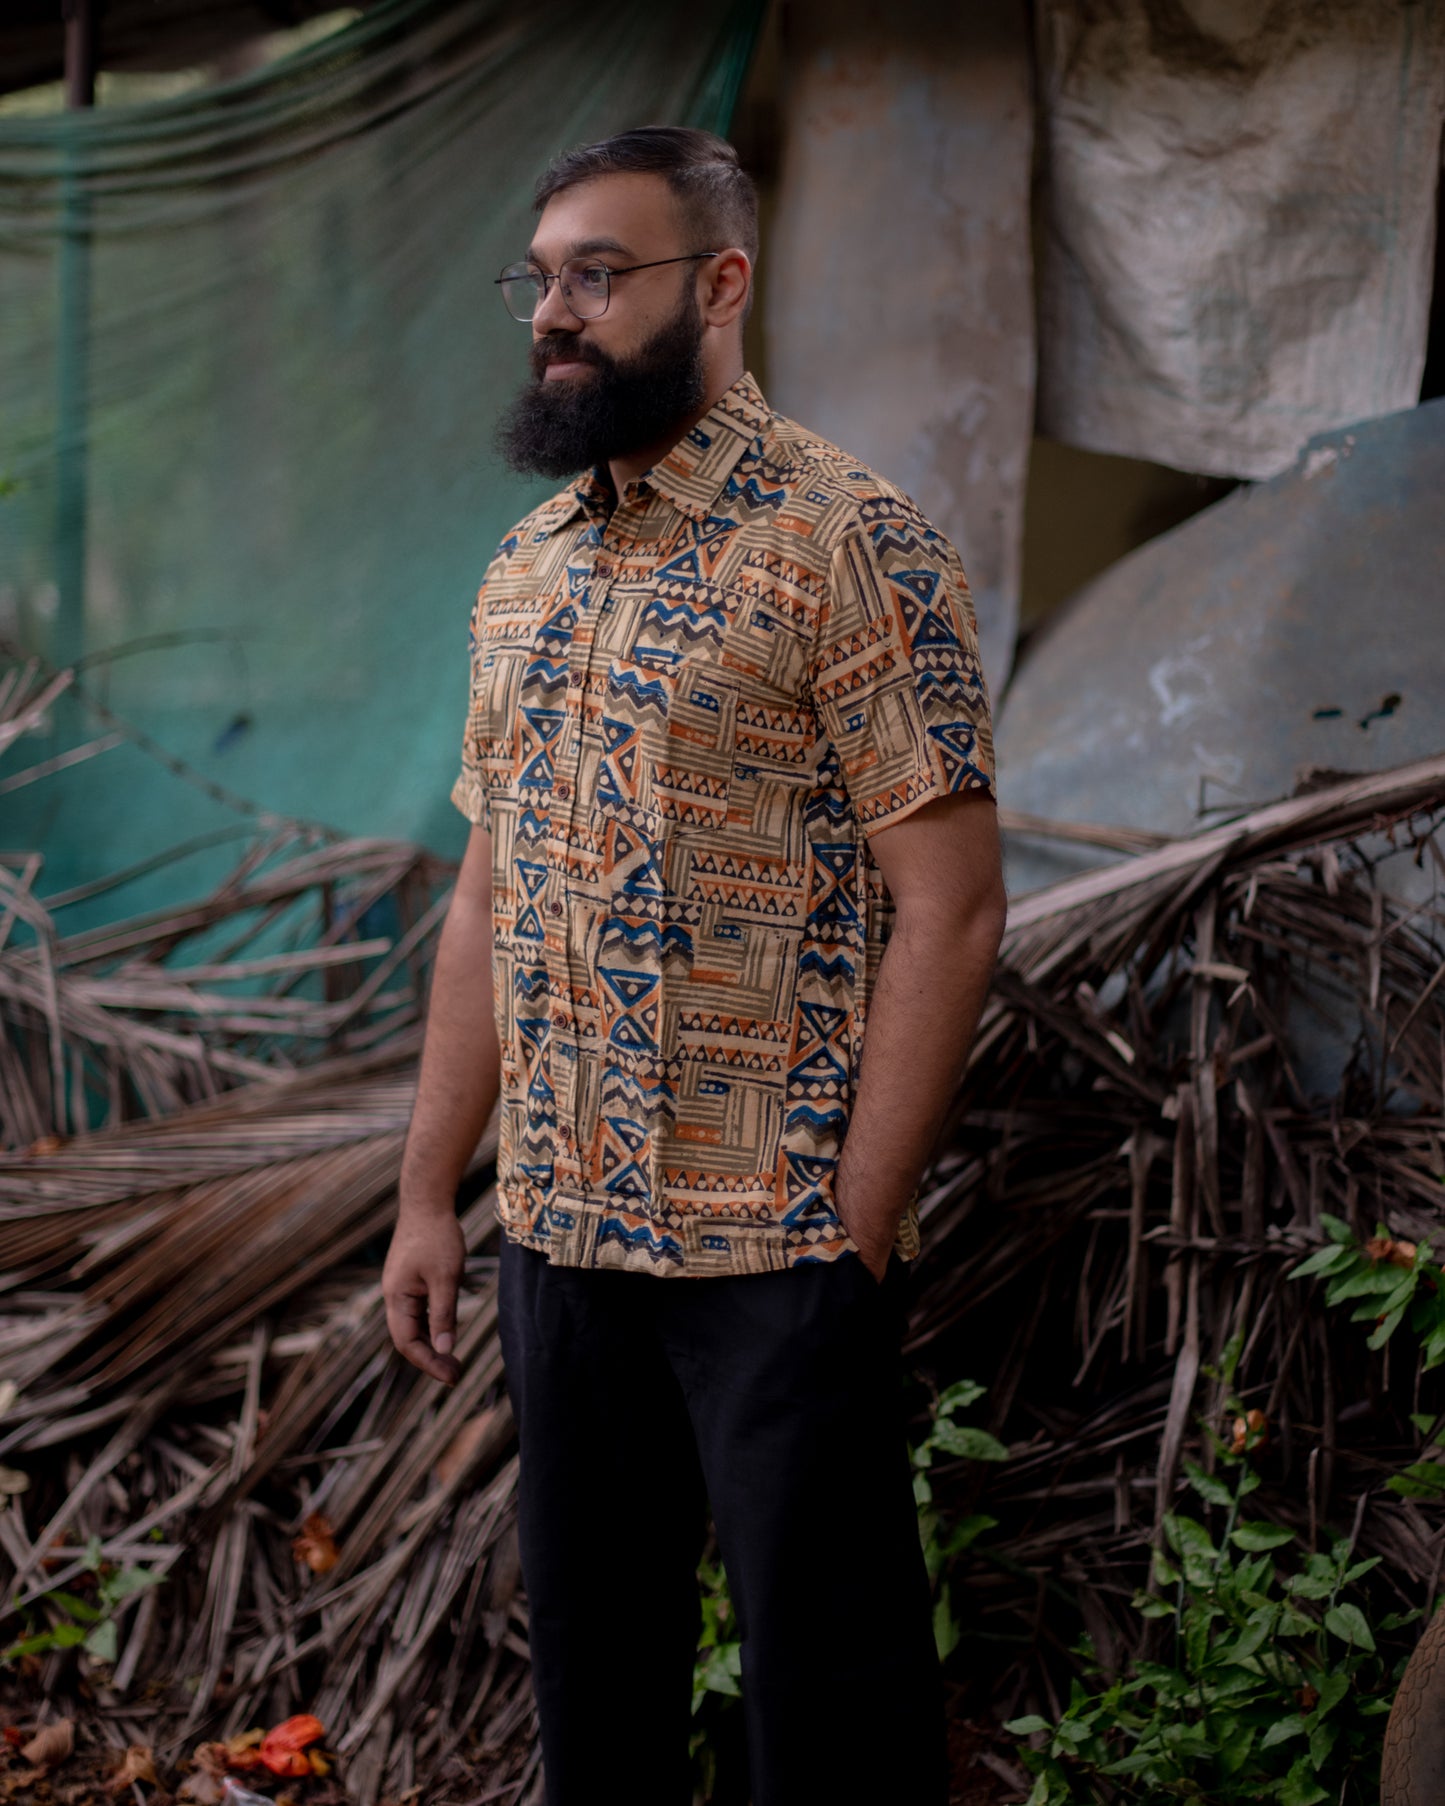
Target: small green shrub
[944,1540]
[89,1623]
[1273,1690]
[716,1677]
[1390,1279]
[1390,1282]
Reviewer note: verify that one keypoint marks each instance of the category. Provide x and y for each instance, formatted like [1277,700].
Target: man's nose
[553,314]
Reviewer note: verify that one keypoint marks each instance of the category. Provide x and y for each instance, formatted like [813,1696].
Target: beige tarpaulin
[1239,220]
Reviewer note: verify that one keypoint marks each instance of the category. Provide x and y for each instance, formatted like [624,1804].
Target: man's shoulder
[840,495]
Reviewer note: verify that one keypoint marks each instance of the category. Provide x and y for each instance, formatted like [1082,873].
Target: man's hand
[874,1241]
[419,1283]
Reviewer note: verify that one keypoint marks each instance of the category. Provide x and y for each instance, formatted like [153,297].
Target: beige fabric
[1239,220]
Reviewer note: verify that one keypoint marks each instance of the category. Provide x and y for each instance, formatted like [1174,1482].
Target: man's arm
[457,1088]
[943,867]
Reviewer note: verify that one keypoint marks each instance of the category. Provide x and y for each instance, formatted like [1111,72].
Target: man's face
[626,381]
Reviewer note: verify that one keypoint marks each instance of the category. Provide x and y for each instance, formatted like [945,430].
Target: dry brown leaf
[135,1765]
[241,1751]
[211,1758]
[51,1744]
[462,1446]
[316,1546]
[203,1788]
[1250,1432]
[1398,1254]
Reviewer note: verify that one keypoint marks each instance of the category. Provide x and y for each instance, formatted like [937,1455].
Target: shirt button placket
[571,1136]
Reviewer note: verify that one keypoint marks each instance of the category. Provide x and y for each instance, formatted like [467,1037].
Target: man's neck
[625,470]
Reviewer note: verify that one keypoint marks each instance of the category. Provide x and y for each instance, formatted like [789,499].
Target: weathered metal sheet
[1298,623]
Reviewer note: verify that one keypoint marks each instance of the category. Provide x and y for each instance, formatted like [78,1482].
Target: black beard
[554,429]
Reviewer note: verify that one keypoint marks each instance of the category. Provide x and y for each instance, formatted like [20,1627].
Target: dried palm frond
[1137,1162]
[275,969]
[193,1303]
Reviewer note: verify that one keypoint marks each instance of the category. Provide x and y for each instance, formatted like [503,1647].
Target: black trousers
[776,1398]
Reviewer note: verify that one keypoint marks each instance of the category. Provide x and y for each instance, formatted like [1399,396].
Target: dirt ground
[984,1766]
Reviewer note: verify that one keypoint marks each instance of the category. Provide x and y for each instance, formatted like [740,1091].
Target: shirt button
[554,909]
[561,790]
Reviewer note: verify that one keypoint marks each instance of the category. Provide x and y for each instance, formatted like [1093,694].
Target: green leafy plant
[1273,1688]
[88,1623]
[719,1650]
[716,1675]
[1423,1479]
[944,1539]
[1390,1281]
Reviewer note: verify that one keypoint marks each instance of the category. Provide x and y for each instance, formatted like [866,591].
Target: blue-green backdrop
[251,356]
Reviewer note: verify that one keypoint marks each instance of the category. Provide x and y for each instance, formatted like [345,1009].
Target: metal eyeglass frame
[527,270]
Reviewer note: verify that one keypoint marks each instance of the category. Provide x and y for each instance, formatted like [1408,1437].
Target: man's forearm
[460,1066]
[932,982]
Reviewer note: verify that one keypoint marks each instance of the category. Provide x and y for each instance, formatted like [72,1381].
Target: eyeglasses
[586,286]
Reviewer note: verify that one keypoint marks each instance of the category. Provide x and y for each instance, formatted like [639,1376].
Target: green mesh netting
[250,361]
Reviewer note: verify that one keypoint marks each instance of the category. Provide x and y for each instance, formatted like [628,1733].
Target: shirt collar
[691,476]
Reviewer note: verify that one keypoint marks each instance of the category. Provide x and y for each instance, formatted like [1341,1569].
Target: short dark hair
[718,199]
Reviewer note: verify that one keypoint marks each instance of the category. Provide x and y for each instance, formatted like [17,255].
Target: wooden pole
[73,346]
[80,53]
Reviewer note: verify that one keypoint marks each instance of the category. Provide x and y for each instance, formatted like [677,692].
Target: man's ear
[728,279]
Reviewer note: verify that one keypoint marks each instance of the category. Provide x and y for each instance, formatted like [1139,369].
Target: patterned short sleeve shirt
[689,712]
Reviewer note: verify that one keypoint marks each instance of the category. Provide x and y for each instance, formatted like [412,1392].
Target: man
[728,740]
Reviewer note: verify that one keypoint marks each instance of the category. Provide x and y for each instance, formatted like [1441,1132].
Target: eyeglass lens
[585,288]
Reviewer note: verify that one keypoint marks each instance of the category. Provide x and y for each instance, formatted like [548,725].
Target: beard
[554,429]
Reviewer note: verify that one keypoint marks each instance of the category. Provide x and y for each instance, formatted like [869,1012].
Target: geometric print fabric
[688,713]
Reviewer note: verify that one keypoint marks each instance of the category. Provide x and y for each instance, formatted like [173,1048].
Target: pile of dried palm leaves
[193,1325]
[1139,1162]
[204,1110]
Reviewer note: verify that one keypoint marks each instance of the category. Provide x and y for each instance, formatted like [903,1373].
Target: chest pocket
[765,654]
[767,649]
[689,752]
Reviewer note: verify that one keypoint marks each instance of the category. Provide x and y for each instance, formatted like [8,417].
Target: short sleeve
[896,678]
[469,793]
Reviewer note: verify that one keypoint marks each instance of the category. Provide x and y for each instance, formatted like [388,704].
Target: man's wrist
[426,1195]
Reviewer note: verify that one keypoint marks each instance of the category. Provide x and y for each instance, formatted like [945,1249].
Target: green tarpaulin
[250,359]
